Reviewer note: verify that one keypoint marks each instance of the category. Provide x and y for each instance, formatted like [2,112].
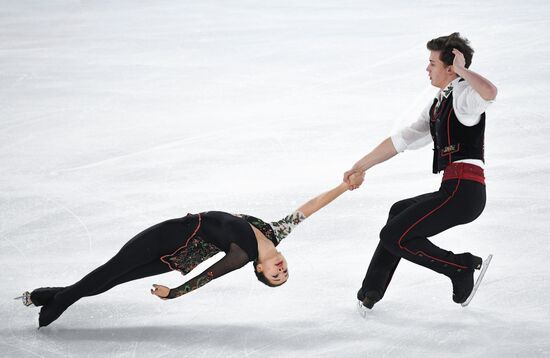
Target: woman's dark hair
[446,44]
[261,277]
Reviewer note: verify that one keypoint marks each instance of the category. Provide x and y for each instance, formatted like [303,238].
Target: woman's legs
[138,258]
[154,268]
[43,295]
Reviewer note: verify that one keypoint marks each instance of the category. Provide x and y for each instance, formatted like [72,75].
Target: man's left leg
[457,202]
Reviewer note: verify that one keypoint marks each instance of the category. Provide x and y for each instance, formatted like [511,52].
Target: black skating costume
[178,244]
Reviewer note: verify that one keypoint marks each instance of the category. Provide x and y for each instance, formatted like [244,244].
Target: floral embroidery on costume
[191,255]
[193,284]
[276,231]
[261,225]
[284,226]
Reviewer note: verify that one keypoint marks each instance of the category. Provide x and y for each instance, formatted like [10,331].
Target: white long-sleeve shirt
[468,106]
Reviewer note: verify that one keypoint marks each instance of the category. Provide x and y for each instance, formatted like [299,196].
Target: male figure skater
[455,120]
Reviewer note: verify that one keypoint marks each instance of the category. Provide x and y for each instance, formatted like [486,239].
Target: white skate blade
[484,267]
[362,309]
[25,298]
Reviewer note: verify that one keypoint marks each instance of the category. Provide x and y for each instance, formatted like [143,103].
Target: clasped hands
[354,178]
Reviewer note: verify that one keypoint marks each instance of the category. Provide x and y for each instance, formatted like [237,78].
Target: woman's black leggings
[412,221]
[138,258]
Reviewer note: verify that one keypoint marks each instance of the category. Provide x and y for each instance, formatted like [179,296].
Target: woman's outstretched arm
[326,198]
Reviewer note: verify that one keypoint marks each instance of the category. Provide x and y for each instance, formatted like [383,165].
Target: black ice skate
[39,297]
[464,288]
[366,301]
[484,267]
[463,284]
[50,312]
[25,297]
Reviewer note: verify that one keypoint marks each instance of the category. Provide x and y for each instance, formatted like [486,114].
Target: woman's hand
[160,291]
[355,180]
[350,172]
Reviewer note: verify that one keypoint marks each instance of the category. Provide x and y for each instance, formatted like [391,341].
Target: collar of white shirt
[444,93]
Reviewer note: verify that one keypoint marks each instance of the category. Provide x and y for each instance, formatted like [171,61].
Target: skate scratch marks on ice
[172,144]
[22,253]
[75,216]
[168,145]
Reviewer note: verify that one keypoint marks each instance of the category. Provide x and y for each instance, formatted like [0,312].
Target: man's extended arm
[381,153]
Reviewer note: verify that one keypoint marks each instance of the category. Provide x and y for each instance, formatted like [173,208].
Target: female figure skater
[183,243]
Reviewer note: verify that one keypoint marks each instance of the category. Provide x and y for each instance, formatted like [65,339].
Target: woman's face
[275,269]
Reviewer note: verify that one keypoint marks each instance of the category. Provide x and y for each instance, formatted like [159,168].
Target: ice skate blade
[361,309]
[25,298]
[484,267]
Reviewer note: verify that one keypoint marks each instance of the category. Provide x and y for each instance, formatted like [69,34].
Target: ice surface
[117,115]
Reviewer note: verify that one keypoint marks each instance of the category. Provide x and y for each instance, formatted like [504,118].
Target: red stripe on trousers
[424,217]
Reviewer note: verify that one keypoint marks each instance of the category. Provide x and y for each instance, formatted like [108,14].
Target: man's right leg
[383,263]
[378,277]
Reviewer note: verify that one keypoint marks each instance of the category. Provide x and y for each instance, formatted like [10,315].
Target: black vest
[452,140]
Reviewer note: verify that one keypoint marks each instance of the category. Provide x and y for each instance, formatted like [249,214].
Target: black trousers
[412,221]
[138,258]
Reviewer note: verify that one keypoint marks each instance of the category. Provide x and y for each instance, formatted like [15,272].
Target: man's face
[440,75]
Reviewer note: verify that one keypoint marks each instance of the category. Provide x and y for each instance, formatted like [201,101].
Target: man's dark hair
[446,44]
[261,277]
